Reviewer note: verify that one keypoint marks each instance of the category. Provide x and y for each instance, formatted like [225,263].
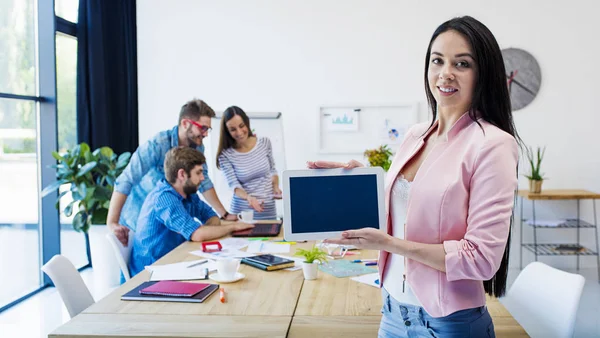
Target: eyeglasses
[203,129]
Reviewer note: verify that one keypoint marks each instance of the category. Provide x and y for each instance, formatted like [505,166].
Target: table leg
[534,230]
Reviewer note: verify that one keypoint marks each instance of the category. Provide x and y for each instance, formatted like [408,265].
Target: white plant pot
[310,270]
[107,273]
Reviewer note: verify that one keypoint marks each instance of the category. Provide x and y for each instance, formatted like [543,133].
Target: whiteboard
[263,125]
[352,129]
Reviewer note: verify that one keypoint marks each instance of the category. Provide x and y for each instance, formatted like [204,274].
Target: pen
[370,263]
[364,261]
[222,295]
[259,239]
[198,263]
[283,242]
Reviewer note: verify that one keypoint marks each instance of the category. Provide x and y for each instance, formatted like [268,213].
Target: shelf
[570,223]
[549,250]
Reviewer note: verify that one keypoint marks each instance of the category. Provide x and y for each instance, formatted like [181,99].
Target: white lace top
[394,281]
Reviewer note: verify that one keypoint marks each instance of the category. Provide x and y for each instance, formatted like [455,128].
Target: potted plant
[90,176]
[380,157]
[311,257]
[535,177]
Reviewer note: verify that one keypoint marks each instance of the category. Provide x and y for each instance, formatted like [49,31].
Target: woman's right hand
[332,165]
[255,203]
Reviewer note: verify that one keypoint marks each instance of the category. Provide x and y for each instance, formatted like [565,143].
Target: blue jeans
[404,320]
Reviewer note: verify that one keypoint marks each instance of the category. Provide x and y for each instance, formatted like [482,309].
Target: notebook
[197,298]
[174,289]
[260,230]
[268,262]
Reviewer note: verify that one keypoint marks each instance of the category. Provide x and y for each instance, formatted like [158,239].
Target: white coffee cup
[246,216]
[228,267]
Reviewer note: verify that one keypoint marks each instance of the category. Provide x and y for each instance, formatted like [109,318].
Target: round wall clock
[523,76]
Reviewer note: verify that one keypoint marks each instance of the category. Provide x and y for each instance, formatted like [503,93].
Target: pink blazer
[462,197]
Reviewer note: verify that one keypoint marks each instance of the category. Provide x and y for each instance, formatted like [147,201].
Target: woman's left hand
[277,193]
[366,238]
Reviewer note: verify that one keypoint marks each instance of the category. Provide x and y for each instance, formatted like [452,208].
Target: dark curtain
[107,97]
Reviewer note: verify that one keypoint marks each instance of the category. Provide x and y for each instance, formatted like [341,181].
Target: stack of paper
[268,247]
[224,253]
[182,271]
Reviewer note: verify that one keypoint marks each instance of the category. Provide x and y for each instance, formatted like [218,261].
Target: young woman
[450,193]
[247,162]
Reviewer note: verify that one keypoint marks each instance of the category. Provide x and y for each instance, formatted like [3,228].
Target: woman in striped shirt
[247,162]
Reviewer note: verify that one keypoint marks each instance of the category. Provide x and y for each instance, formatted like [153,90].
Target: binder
[174,289]
[268,262]
[197,298]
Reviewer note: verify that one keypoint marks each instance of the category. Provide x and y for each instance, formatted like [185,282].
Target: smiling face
[452,72]
[194,134]
[237,129]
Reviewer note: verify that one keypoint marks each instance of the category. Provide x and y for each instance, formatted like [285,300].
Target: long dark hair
[491,101]
[225,139]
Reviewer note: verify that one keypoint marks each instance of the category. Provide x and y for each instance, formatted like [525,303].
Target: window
[29,224]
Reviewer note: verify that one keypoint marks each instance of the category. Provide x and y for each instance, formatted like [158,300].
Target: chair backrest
[123,253]
[544,300]
[70,285]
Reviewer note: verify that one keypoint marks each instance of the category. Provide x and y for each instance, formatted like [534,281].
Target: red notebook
[174,288]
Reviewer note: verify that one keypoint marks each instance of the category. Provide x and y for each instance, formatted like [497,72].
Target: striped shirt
[145,169]
[252,171]
[166,220]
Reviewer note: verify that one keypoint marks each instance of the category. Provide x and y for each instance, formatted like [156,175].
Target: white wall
[293,56]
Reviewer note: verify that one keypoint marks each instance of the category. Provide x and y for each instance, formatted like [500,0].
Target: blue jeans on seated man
[404,320]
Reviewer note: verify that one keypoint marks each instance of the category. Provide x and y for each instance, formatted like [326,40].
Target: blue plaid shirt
[144,171]
[166,220]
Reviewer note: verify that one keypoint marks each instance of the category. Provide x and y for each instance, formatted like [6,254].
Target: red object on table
[211,246]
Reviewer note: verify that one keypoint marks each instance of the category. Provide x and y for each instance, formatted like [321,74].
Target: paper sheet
[267,247]
[371,279]
[233,243]
[180,271]
[225,253]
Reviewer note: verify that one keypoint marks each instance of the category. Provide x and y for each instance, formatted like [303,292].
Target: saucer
[217,278]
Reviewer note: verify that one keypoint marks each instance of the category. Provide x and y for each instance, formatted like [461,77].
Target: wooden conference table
[264,304]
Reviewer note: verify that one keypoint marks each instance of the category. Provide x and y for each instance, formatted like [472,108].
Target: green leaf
[53,186]
[69,209]
[86,168]
[99,216]
[57,156]
[84,149]
[80,222]
[102,193]
[123,160]
[106,152]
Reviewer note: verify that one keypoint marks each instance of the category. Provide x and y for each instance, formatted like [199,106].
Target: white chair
[69,284]
[544,300]
[122,253]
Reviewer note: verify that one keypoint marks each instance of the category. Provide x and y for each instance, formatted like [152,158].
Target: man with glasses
[145,169]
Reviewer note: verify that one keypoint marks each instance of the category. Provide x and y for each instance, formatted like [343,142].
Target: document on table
[371,279]
[189,270]
[234,243]
[268,247]
[224,253]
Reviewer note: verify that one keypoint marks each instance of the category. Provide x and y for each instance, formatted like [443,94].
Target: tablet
[321,203]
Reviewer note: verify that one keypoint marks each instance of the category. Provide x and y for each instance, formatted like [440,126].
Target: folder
[197,298]
[174,289]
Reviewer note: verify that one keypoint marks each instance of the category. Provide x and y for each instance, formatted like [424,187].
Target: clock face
[523,76]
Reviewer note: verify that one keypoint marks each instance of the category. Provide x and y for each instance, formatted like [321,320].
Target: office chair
[122,253]
[67,280]
[544,300]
